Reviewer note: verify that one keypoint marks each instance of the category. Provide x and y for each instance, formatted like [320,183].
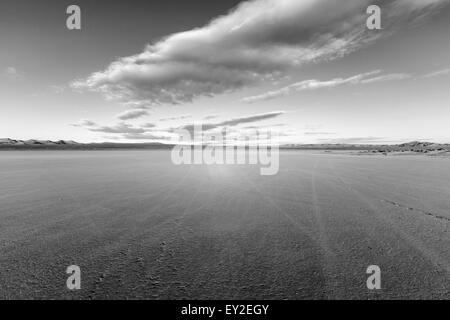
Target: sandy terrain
[140,227]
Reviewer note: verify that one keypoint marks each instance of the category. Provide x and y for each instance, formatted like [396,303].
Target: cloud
[12,73]
[132,114]
[253,118]
[146,131]
[50,90]
[57,89]
[210,117]
[148,125]
[235,121]
[257,41]
[319,133]
[83,123]
[355,140]
[146,136]
[437,73]
[122,128]
[270,126]
[388,77]
[314,84]
[187,116]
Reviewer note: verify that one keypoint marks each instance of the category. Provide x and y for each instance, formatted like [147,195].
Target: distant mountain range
[12,144]
[415,146]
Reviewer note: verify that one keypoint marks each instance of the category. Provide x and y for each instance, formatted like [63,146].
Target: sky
[311,70]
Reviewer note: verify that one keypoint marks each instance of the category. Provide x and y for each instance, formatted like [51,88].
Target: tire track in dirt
[426,252]
[328,255]
[131,253]
[427,213]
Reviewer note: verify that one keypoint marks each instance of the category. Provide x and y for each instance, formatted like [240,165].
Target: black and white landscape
[96,97]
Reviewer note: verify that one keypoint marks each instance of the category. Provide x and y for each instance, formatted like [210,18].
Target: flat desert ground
[140,227]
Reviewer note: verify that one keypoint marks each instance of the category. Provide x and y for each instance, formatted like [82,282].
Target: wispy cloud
[257,41]
[210,117]
[252,118]
[122,128]
[57,89]
[355,140]
[12,73]
[312,133]
[443,72]
[235,121]
[182,117]
[314,84]
[50,90]
[84,123]
[148,125]
[132,114]
[146,136]
[151,131]
[388,77]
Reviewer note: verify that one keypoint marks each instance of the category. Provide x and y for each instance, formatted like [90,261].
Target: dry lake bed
[140,227]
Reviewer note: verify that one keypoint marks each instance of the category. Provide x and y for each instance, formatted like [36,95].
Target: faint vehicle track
[426,252]
[329,256]
[427,213]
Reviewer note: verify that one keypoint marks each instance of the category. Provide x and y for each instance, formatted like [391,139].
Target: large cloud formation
[257,41]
